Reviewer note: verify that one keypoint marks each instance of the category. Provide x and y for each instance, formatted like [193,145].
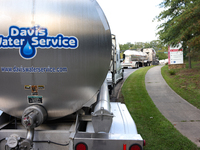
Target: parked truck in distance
[151,54]
[134,59]
[139,58]
[116,72]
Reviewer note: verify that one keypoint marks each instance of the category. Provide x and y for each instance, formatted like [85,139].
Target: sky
[131,20]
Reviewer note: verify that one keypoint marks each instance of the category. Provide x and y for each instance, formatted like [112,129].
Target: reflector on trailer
[135,147]
[81,146]
[124,146]
[144,142]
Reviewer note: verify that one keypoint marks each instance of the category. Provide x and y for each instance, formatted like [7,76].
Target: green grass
[185,82]
[158,132]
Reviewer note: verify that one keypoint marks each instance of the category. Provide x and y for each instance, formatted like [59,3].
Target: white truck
[54,58]
[116,72]
[134,59]
[151,53]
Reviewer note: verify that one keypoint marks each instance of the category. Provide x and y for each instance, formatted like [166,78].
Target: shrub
[172,72]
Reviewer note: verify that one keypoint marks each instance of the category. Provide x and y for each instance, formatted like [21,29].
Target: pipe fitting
[33,116]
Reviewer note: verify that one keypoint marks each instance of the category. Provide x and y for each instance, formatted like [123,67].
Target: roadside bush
[172,72]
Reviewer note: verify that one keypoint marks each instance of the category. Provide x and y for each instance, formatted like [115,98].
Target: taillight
[81,146]
[135,147]
[144,142]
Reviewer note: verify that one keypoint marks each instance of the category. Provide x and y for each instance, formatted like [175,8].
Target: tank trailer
[54,58]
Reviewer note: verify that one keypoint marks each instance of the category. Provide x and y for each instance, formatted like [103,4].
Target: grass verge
[185,82]
[158,132]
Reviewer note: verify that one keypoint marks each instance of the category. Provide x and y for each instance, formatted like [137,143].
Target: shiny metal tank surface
[54,53]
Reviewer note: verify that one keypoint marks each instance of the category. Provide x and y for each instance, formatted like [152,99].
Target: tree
[123,47]
[181,24]
[156,44]
[161,55]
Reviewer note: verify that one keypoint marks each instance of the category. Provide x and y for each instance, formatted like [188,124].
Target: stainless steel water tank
[54,53]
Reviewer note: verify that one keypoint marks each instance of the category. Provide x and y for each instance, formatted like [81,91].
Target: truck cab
[116,72]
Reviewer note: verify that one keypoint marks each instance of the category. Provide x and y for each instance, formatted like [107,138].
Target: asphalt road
[116,91]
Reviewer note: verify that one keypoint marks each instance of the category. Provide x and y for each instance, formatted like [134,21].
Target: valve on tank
[12,141]
[32,117]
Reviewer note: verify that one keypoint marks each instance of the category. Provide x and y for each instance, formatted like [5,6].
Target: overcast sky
[131,20]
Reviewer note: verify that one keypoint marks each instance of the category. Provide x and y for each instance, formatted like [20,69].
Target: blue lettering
[16,42]
[22,41]
[42,32]
[59,41]
[14,31]
[47,42]
[35,40]
[5,42]
[23,33]
[35,37]
[65,42]
[42,42]
[54,42]
[10,41]
[0,40]
[30,32]
[72,42]
[32,69]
